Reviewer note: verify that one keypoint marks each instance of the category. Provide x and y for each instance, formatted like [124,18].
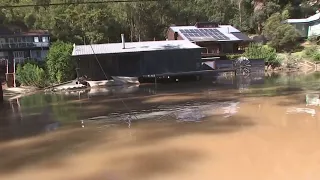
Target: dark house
[20,44]
[136,59]
[217,40]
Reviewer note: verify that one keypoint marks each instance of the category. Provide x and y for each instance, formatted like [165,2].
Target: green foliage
[95,23]
[60,65]
[234,56]
[30,74]
[281,35]
[258,51]
[290,60]
[316,57]
[314,39]
[310,51]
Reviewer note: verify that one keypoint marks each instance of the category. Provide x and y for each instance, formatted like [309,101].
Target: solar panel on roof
[207,34]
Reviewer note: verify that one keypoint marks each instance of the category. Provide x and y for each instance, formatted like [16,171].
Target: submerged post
[1,93]
[14,72]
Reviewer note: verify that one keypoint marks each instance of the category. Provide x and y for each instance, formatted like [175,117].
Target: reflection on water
[258,128]
[189,111]
[39,113]
[312,112]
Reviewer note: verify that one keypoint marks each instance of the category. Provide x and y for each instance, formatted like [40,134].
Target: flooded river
[258,128]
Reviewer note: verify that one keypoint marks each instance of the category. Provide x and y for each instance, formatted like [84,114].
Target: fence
[251,66]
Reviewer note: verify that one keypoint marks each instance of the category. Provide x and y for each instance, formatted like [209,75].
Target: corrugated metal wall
[159,62]
[140,63]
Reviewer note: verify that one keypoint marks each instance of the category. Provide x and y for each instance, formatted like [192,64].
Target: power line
[88,2]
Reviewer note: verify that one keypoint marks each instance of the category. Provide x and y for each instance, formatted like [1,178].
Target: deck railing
[15,45]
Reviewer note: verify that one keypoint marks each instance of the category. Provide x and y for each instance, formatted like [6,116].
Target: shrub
[316,57]
[310,51]
[291,61]
[59,63]
[30,74]
[313,39]
[259,51]
[234,56]
[281,35]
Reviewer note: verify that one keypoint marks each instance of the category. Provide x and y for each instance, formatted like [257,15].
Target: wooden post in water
[14,72]
[155,80]
[1,93]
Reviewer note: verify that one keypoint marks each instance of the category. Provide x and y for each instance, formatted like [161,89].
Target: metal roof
[304,20]
[114,48]
[241,36]
[226,30]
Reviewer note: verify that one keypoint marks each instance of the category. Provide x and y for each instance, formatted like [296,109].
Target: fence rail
[23,45]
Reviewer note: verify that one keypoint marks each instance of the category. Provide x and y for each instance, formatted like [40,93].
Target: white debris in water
[189,115]
[301,110]
[82,124]
[312,100]
[231,110]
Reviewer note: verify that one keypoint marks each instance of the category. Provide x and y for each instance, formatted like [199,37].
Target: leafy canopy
[60,65]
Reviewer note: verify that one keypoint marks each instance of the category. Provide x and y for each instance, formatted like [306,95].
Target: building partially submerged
[136,59]
[217,40]
[307,27]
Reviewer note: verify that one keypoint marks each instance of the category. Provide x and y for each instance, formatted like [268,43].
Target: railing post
[1,93]
[14,72]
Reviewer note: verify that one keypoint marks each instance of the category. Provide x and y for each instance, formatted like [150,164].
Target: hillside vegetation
[147,20]
[96,23]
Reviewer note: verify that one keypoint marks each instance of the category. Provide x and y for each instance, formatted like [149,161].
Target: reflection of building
[14,123]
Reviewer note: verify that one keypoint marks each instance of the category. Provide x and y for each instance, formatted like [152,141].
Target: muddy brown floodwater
[258,129]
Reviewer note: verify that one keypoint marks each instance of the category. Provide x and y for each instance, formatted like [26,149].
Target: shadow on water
[18,154]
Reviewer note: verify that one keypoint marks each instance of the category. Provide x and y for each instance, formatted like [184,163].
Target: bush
[316,57]
[282,36]
[313,39]
[291,61]
[60,65]
[234,56]
[30,74]
[259,51]
[310,51]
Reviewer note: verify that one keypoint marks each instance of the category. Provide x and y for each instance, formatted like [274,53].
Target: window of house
[2,42]
[175,36]
[36,39]
[11,40]
[45,39]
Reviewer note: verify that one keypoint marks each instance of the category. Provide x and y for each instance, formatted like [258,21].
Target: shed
[136,59]
[307,27]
